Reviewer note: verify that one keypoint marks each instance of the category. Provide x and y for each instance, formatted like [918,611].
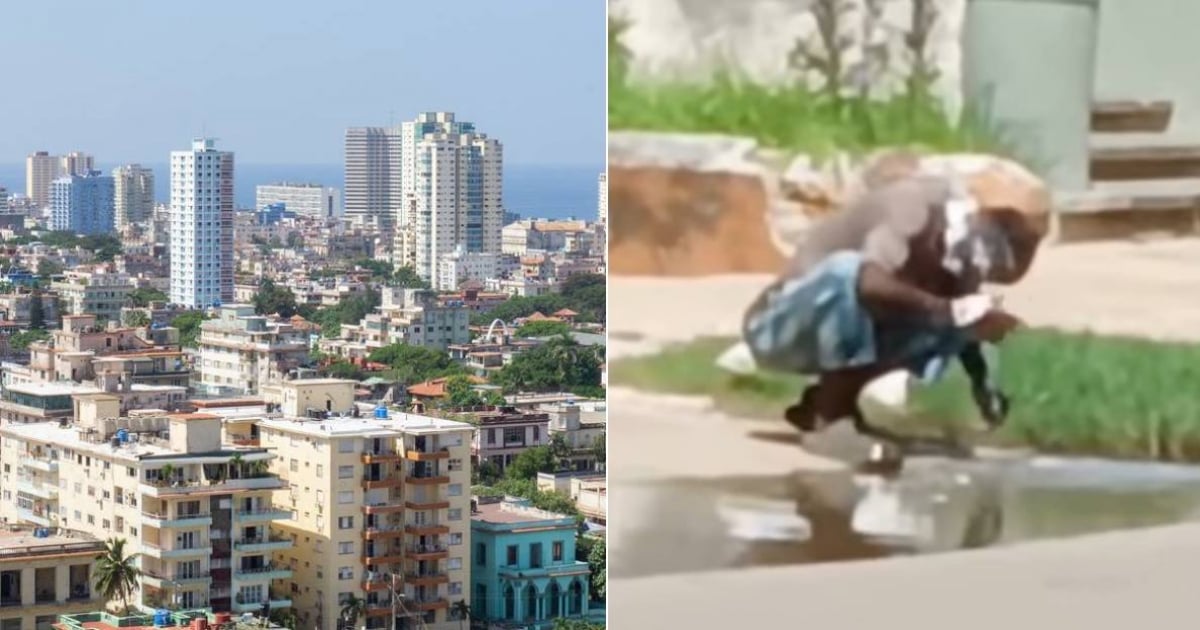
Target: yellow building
[43,576]
[197,510]
[379,506]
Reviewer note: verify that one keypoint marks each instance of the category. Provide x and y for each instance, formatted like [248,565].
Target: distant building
[532,235]
[524,570]
[201,225]
[82,203]
[373,174]
[99,294]
[501,434]
[45,571]
[306,200]
[602,204]
[133,194]
[460,266]
[240,352]
[41,169]
[273,213]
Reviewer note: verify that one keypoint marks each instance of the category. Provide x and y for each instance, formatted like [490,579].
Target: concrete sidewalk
[1097,582]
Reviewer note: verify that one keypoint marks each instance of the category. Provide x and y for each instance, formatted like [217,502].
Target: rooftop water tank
[381,413]
[123,436]
[162,618]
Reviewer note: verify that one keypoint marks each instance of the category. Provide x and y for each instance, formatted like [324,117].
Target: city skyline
[547,108]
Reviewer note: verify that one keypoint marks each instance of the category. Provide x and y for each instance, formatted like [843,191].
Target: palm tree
[463,610]
[117,573]
[352,609]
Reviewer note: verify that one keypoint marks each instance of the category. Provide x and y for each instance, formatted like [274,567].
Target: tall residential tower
[82,204]
[201,225]
[373,172]
[133,197]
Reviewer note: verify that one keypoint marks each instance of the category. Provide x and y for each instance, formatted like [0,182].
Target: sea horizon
[530,190]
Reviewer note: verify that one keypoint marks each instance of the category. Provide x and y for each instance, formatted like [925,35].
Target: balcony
[424,604]
[379,458]
[383,558]
[154,550]
[179,520]
[426,456]
[382,531]
[37,489]
[427,529]
[269,572]
[374,584]
[258,545]
[427,552]
[426,479]
[383,508]
[164,580]
[247,606]
[426,578]
[43,464]
[227,486]
[380,609]
[427,504]
[262,515]
[42,517]
[387,482]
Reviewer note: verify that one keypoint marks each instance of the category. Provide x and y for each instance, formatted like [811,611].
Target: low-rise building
[524,570]
[97,293]
[503,433]
[45,572]
[589,490]
[410,316]
[240,352]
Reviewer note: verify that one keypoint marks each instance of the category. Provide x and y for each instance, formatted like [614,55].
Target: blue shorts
[815,323]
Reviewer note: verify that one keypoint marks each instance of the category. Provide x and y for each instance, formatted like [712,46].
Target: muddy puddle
[933,505]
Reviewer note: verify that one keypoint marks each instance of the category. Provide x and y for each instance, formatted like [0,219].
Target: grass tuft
[1071,393]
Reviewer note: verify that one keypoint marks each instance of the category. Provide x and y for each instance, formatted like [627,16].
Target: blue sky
[277,81]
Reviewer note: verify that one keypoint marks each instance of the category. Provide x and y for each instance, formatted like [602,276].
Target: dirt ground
[1106,581]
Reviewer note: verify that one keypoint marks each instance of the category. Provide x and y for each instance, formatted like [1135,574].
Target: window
[535,555]
[491,436]
[293,465]
[345,548]
[481,554]
[454,514]
[514,435]
[345,522]
[537,434]
[456,588]
[511,560]
[345,496]
[345,472]
[455,490]
[320,470]
[346,446]
[556,551]
[453,564]
[345,573]
[456,538]
[454,465]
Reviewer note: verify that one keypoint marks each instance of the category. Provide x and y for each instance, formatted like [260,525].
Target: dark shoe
[801,417]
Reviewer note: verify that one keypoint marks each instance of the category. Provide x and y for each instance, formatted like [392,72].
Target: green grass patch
[1071,393]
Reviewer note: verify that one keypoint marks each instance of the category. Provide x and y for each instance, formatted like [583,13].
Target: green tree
[189,327]
[117,573]
[564,623]
[559,447]
[37,311]
[486,473]
[560,364]
[143,296]
[462,610]
[543,328]
[407,277]
[352,609]
[342,369]
[414,364]
[599,451]
[531,462]
[461,392]
[527,488]
[379,269]
[21,340]
[47,268]
[295,240]
[598,562]
[136,319]
[272,299]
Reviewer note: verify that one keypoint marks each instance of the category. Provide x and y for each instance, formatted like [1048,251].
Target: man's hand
[994,326]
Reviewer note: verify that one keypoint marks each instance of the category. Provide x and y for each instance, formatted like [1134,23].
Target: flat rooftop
[18,543]
[70,437]
[397,423]
[504,513]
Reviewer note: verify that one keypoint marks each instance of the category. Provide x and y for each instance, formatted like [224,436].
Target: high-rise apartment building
[133,194]
[386,504]
[602,204]
[82,203]
[453,190]
[373,175]
[201,225]
[41,169]
[196,510]
[306,200]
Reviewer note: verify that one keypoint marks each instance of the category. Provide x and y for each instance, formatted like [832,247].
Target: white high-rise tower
[201,225]
[134,194]
[373,175]
[602,205]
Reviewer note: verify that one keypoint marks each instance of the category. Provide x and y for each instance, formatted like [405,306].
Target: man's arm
[886,297]
[993,404]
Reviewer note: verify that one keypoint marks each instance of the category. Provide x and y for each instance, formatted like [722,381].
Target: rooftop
[17,543]
[509,512]
[397,423]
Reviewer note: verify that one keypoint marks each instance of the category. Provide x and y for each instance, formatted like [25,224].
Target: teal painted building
[523,567]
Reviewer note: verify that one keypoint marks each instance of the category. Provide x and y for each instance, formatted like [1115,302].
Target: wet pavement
[933,505]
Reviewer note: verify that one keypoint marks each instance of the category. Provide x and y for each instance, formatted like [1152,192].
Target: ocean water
[558,192]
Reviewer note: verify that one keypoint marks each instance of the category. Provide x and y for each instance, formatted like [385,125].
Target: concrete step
[1131,116]
[1145,162]
[1129,209]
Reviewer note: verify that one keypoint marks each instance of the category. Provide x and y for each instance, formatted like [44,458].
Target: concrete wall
[1147,51]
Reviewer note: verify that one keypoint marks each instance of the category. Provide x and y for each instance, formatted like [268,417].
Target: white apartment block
[306,200]
[197,511]
[602,202]
[410,316]
[201,225]
[373,174]
[459,266]
[133,194]
[386,503]
[241,352]
[532,235]
[98,293]
[457,197]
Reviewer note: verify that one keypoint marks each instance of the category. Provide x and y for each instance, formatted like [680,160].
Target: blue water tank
[123,436]
[381,413]
[162,618]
